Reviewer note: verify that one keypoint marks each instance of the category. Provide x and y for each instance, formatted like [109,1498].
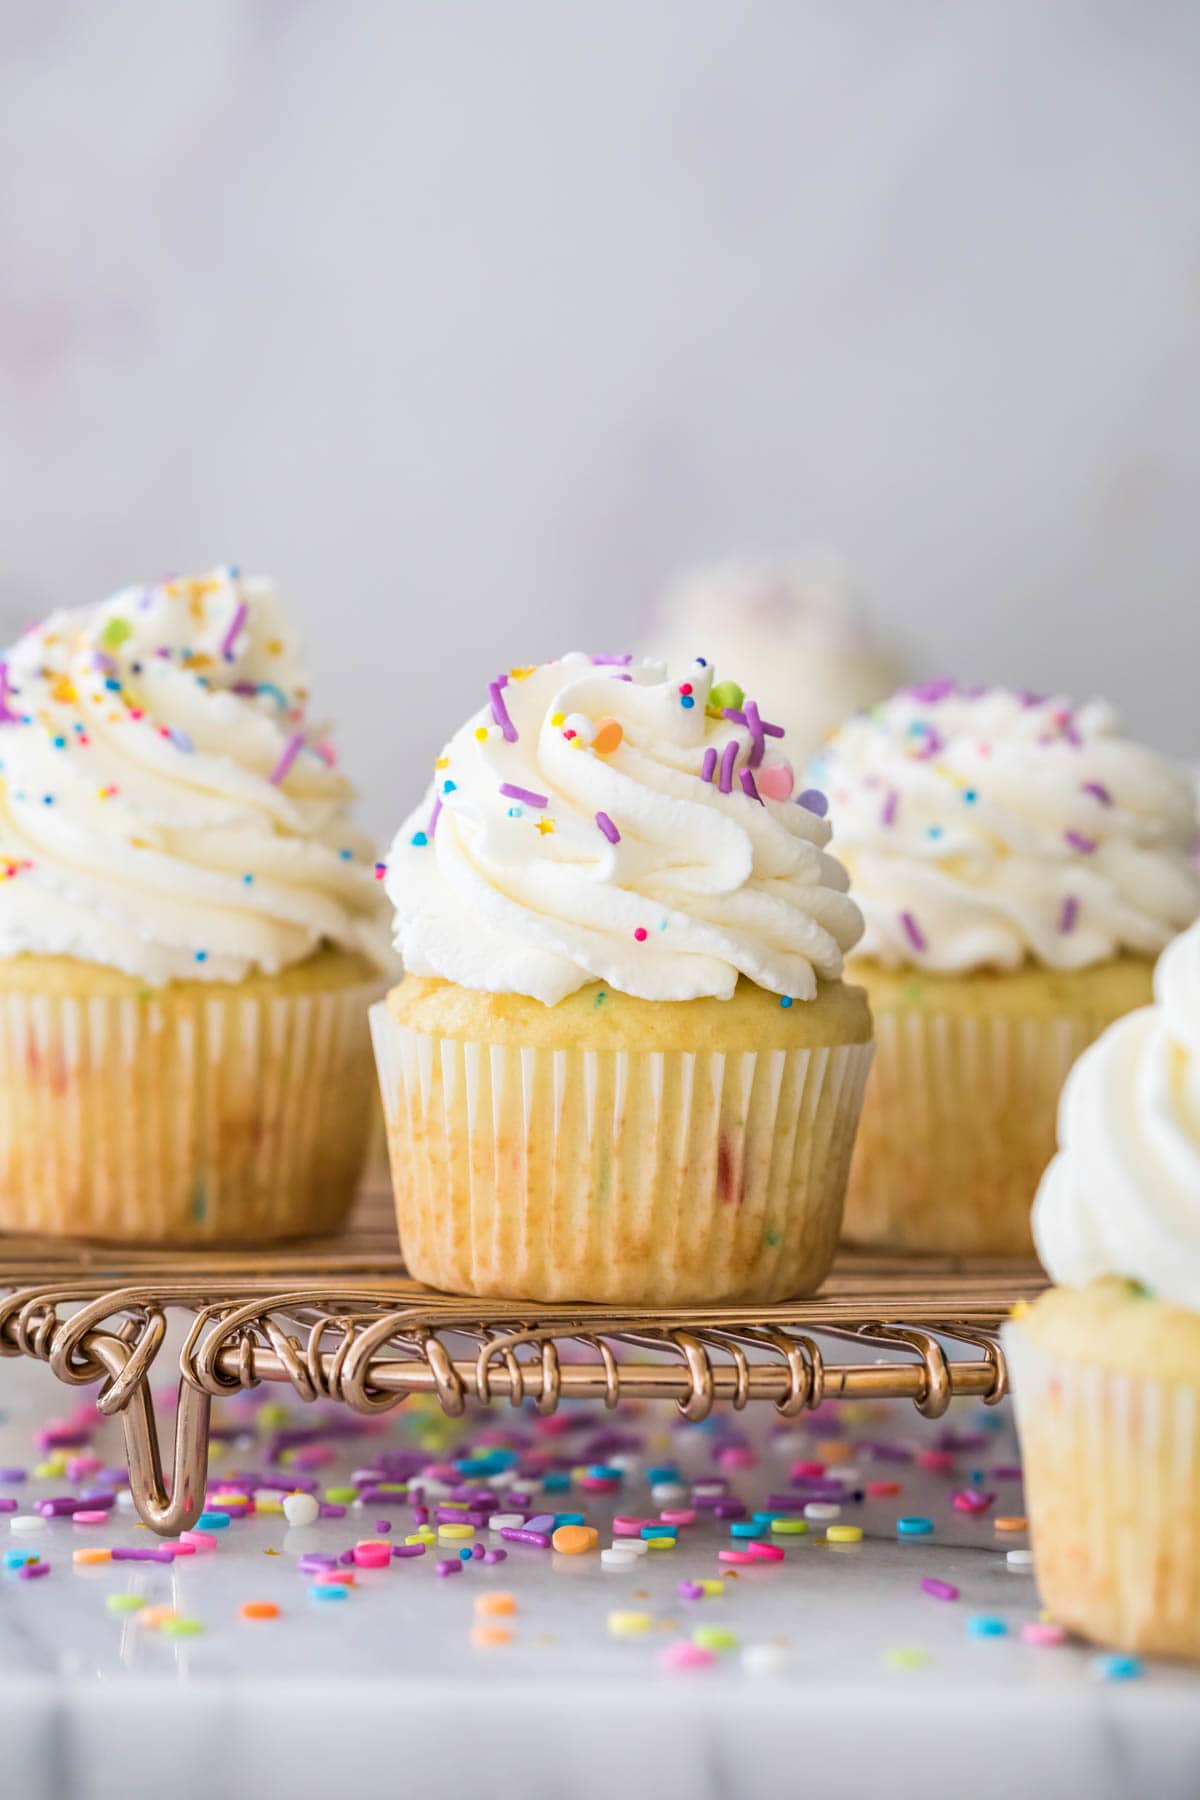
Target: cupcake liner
[1112,1490]
[958,1124]
[623,1177]
[182,1118]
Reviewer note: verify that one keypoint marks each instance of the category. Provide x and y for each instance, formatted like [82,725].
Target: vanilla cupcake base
[196,1113]
[616,1150]
[1107,1390]
[959,1119]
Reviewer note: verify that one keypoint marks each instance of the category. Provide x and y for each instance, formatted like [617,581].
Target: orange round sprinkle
[834,1450]
[154,1616]
[608,735]
[1016,1523]
[91,1556]
[258,1609]
[496,1604]
[575,1540]
[490,1637]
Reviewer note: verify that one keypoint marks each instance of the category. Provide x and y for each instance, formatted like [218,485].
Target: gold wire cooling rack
[340,1319]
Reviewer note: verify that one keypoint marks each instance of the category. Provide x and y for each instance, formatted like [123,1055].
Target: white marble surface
[384,1693]
[476,322]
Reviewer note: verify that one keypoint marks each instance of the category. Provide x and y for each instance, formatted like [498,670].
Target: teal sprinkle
[449,787]
[419,839]
[598,999]
[346,855]
[60,743]
[516,812]
[935,831]
[970,796]
[202,956]
[1119,1668]
[785,1000]
[662,924]
[47,799]
[986,1625]
[247,879]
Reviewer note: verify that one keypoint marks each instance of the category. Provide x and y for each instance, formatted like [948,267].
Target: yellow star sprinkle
[443,762]
[522,674]
[274,646]
[545,827]
[64,690]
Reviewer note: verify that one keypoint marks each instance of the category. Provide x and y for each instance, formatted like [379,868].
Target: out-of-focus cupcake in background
[796,630]
[190,927]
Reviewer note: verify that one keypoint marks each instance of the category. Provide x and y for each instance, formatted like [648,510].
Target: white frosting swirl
[165,808]
[1122,1197]
[547,854]
[981,827]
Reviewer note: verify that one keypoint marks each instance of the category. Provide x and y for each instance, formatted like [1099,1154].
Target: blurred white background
[475,322]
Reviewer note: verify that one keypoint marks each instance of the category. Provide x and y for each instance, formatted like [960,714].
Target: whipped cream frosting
[983,827]
[1122,1196]
[796,631]
[595,821]
[166,807]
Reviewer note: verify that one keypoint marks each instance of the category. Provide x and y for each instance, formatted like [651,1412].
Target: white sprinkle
[1020,1560]
[843,1472]
[506,1521]
[664,1492]
[26,1522]
[301,1509]
[618,1556]
[637,1545]
[765,1659]
[822,1509]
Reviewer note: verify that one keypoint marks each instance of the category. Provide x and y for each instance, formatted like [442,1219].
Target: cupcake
[1106,1366]
[796,632]
[190,928]
[1018,865]
[622,1065]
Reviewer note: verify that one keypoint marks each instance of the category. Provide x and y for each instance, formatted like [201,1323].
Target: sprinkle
[749,786]
[258,1609]
[235,625]
[986,1625]
[844,1534]
[607,827]
[709,764]
[1068,913]
[728,758]
[500,711]
[124,1603]
[212,1521]
[380,872]
[914,1526]
[1021,1560]
[714,1637]
[608,735]
[525,795]
[813,801]
[291,752]
[887,814]
[913,932]
[418,840]
[785,1000]
[1077,841]
[640,934]
[1042,1633]
[328,1590]
[940,1590]
[1098,791]
[621,660]
[434,816]
[1016,1522]
[906,1658]
[681,1658]
[629,1624]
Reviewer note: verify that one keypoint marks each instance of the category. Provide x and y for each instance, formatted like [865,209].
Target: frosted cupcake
[797,633]
[1106,1366]
[1018,865]
[190,928]
[622,1065]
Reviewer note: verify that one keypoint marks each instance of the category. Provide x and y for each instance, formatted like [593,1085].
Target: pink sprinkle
[608,828]
[89,1518]
[765,1552]
[1068,914]
[913,932]
[940,1590]
[199,1540]
[749,786]
[513,792]
[940,1461]
[803,1471]
[500,711]
[1042,1632]
[235,625]
[728,758]
[641,934]
[681,1657]
[709,764]
[678,1515]
[1098,791]
[887,815]
[380,871]
[971,1501]
[291,752]
[1077,841]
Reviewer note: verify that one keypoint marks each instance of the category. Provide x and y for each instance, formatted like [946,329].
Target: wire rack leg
[168,1514]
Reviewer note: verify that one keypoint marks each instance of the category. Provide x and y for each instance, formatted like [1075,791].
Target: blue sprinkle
[449,787]
[746,1528]
[346,855]
[785,1000]
[934,831]
[112,684]
[331,1591]
[247,879]
[970,796]
[1119,1668]
[661,1472]
[813,801]
[212,1521]
[986,1625]
[703,661]
[650,1531]
[556,1481]
[516,812]
[60,743]
[47,799]
[465,1555]
[687,701]
[568,1519]
[419,839]
[202,956]
[914,1527]
[604,1472]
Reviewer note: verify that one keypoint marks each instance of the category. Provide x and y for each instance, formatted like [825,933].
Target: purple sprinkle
[1068,914]
[477,1552]
[7,715]
[813,801]
[729,1509]
[434,816]
[941,1590]
[913,932]
[1098,791]
[626,658]
[691,1590]
[516,1535]
[757,745]
[930,692]
[383,1525]
[728,758]
[887,815]
[749,786]
[527,795]
[9,1506]
[346,1558]
[1007,1472]
[60,1508]
[405,1550]
[882,1450]
[32,1571]
[235,625]
[540,1522]
[9,1477]
[608,828]
[313,1561]
[932,745]
[331,1510]
[495,1556]
[291,752]
[500,711]
[1077,841]
[708,766]
[449,1566]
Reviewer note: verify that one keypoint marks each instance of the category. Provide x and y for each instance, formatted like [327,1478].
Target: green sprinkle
[341,1496]
[771,1238]
[124,1603]
[115,633]
[181,1628]
[905,1657]
[714,1637]
[724,694]
[598,999]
